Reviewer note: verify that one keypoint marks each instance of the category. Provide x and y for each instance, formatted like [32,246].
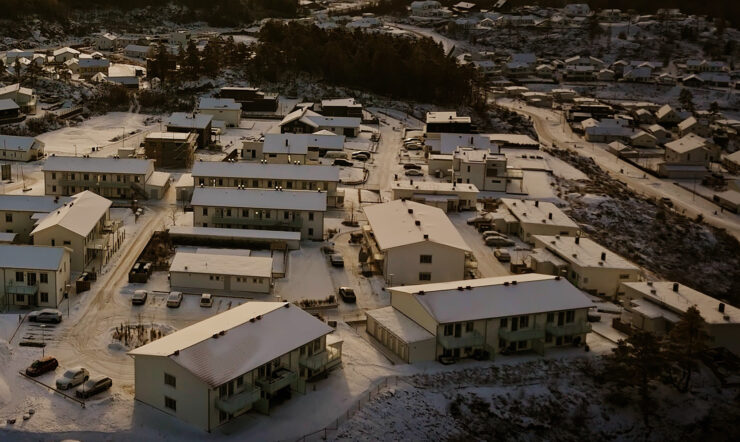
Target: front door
[30,279]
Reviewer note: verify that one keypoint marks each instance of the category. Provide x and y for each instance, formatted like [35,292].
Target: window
[170,380]
[240,381]
[469,327]
[570,316]
[86,177]
[53,175]
[170,403]
[18,276]
[8,217]
[205,211]
[425,259]
[624,276]
[44,278]
[67,243]
[425,276]
[524,321]
[310,216]
[491,172]
[19,298]
[44,297]
[245,213]
[501,343]
[504,323]
[550,317]
[228,212]
[448,329]
[286,215]
[310,231]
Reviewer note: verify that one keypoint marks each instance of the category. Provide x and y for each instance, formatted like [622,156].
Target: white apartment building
[412,243]
[220,271]
[527,218]
[292,148]
[450,197]
[291,210]
[222,109]
[33,276]
[485,170]
[243,359]
[19,213]
[13,148]
[481,317]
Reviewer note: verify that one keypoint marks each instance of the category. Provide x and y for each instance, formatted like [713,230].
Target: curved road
[553,130]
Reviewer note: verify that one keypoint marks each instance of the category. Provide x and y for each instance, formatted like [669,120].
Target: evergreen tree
[686,341]
[192,61]
[686,99]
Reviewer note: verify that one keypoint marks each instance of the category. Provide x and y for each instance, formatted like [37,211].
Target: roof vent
[601,263]
[222,332]
[675,286]
[417,222]
[421,292]
[575,255]
[426,236]
[537,204]
[287,305]
[467,287]
[650,283]
[506,283]
[721,307]
[603,256]
[259,317]
[578,239]
[215,336]
[460,288]
[251,319]
[653,291]
[176,353]
[513,282]
[411,210]
[557,278]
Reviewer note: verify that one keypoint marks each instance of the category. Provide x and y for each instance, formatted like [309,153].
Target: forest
[394,66]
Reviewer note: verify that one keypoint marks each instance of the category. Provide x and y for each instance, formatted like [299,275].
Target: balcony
[526,334]
[576,328]
[272,222]
[315,362]
[239,401]
[280,379]
[21,289]
[473,339]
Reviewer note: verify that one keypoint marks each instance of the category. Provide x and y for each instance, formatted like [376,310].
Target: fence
[365,398]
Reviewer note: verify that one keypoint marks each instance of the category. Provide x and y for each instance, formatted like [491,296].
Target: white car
[206,300]
[72,378]
[46,315]
[413,172]
[174,299]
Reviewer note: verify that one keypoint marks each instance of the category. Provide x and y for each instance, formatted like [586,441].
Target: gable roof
[188,120]
[393,225]
[687,143]
[79,216]
[30,257]
[259,198]
[31,203]
[12,142]
[244,345]
[134,166]
[265,171]
[219,103]
[315,120]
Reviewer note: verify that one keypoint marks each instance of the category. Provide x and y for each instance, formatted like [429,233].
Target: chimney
[675,286]
[417,223]
[411,210]
[603,256]
[426,236]
[549,216]
[537,204]
[578,239]
[721,307]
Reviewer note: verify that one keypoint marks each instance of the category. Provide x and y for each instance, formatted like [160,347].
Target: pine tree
[686,341]
[686,98]
[192,61]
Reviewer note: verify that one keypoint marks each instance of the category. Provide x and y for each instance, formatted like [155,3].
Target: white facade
[210,272]
[33,275]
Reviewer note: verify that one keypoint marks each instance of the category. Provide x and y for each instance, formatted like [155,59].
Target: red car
[42,366]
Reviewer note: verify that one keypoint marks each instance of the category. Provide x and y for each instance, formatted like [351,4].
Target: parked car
[336,260]
[491,233]
[478,219]
[412,146]
[414,172]
[360,157]
[347,294]
[362,153]
[341,162]
[206,300]
[41,366]
[174,299]
[410,166]
[139,297]
[496,241]
[502,255]
[49,315]
[336,154]
[72,378]
[93,386]
[412,140]
[446,360]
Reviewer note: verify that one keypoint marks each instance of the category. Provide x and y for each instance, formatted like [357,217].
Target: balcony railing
[473,339]
[577,328]
[239,401]
[526,334]
[315,362]
[279,380]
[271,222]
[21,289]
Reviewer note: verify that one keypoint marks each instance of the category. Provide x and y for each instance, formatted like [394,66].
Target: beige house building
[174,150]
[412,243]
[13,148]
[248,358]
[291,210]
[585,263]
[84,226]
[481,318]
[270,176]
[292,148]
[19,213]
[527,218]
[220,271]
[222,109]
[450,197]
[657,306]
[115,178]
[483,169]
[33,276]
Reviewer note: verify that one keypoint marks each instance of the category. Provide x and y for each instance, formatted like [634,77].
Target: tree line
[396,66]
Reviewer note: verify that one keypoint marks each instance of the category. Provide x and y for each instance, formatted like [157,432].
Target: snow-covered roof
[219,103]
[189,121]
[687,123]
[448,142]
[66,50]
[400,325]
[30,257]
[245,345]
[137,48]
[485,298]
[518,139]
[661,293]
[340,102]
[158,179]
[217,232]
[446,117]
[93,62]
[393,225]
[80,215]
[259,198]
[98,165]
[8,104]
[12,142]
[687,143]
[664,111]
[468,155]
[172,136]
[585,253]
[435,186]
[538,212]
[527,58]
[734,157]
[267,171]
[29,203]
[17,89]
[317,121]
[222,264]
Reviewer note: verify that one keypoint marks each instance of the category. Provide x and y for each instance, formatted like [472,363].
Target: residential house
[450,197]
[528,218]
[690,149]
[223,109]
[33,276]
[585,263]
[692,126]
[485,170]
[63,54]
[14,148]
[447,143]
[221,271]
[481,318]
[19,213]
[105,41]
[196,123]
[411,243]
[251,98]
[520,65]
[24,97]
[307,121]
[428,9]
[446,122]
[137,51]
[87,67]
[84,226]
[341,107]
[657,306]
[660,133]
[270,176]
[732,162]
[287,210]
[667,116]
[9,111]
[291,148]
[173,150]
[242,359]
